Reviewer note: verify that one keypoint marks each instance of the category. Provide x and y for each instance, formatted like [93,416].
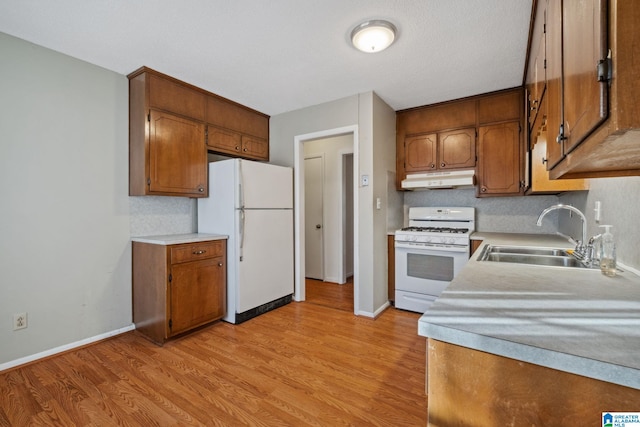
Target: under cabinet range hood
[443,179]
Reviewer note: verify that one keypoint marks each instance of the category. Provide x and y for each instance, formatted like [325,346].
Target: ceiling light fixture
[373,36]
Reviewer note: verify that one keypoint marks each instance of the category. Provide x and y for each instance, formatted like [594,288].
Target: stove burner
[437,230]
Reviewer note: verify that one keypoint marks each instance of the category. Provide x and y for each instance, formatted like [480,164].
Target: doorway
[350,156]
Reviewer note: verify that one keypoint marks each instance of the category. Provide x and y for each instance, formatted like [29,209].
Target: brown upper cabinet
[172,125]
[591,80]
[167,152]
[446,136]
[236,130]
[454,149]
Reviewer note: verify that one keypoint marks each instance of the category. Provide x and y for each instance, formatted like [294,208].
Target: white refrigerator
[252,203]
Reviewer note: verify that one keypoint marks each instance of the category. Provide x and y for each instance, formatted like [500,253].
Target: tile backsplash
[497,214]
[153,215]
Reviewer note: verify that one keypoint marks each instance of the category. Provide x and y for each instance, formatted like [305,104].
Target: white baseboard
[376,313]
[63,348]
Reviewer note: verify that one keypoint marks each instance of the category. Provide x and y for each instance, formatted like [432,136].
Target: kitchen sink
[527,250]
[551,257]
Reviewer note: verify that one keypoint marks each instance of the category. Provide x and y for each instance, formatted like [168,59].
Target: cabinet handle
[200,252]
[544,160]
[220,264]
[561,136]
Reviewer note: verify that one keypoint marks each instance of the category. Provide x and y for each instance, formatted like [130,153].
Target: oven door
[423,272]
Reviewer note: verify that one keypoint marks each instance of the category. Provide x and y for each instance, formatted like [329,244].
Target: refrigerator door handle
[242,219]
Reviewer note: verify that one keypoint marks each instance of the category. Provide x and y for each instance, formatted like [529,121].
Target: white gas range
[429,253]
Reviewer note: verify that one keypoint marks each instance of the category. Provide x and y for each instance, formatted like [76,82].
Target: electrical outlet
[19,321]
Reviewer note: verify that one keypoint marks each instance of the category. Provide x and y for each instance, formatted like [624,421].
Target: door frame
[342,154]
[298,179]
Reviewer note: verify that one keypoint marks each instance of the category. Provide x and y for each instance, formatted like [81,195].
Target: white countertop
[570,319]
[175,239]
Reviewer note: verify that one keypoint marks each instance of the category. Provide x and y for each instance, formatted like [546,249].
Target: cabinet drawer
[196,251]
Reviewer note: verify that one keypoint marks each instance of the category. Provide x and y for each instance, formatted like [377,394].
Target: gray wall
[620,198]
[66,217]
[66,256]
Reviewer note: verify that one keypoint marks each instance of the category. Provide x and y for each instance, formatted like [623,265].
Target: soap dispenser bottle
[608,252]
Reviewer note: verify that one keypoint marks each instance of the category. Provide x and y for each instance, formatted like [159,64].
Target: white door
[313,220]
[265,186]
[265,272]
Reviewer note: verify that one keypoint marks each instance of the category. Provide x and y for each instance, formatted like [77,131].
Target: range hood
[443,179]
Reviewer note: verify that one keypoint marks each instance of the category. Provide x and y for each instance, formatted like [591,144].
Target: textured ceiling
[282,55]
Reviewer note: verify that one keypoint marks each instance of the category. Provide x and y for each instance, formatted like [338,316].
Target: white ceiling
[282,55]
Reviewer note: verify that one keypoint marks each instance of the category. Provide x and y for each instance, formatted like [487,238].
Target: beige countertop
[175,239]
[570,319]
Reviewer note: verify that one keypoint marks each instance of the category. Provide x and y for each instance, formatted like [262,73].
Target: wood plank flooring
[330,294]
[300,365]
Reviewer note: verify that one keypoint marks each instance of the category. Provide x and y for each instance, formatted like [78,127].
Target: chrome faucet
[580,244]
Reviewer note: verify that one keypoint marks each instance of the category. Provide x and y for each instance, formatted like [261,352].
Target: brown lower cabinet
[178,287]
[471,388]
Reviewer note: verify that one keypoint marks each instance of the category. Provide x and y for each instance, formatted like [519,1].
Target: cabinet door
[585,99]
[255,148]
[536,70]
[223,140]
[553,93]
[197,293]
[420,153]
[177,156]
[457,149]
[499,159]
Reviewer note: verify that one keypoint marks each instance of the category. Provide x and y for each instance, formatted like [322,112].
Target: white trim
[298,175]
[376,313]
[63,348]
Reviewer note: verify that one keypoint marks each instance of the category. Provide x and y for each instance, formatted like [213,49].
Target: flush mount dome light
[373,36]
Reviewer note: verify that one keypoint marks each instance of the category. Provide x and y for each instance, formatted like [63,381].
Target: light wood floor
[302,364]
[330,294]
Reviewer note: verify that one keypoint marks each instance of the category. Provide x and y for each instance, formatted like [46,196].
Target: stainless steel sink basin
[551,257]
[528,250]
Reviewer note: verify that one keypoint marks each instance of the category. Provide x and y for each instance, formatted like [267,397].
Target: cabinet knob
[200,252]
[483,189]
[237,148]
[433,165]
[442,165]
[220,264]
[544,160]
[201,189]
[245,150]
